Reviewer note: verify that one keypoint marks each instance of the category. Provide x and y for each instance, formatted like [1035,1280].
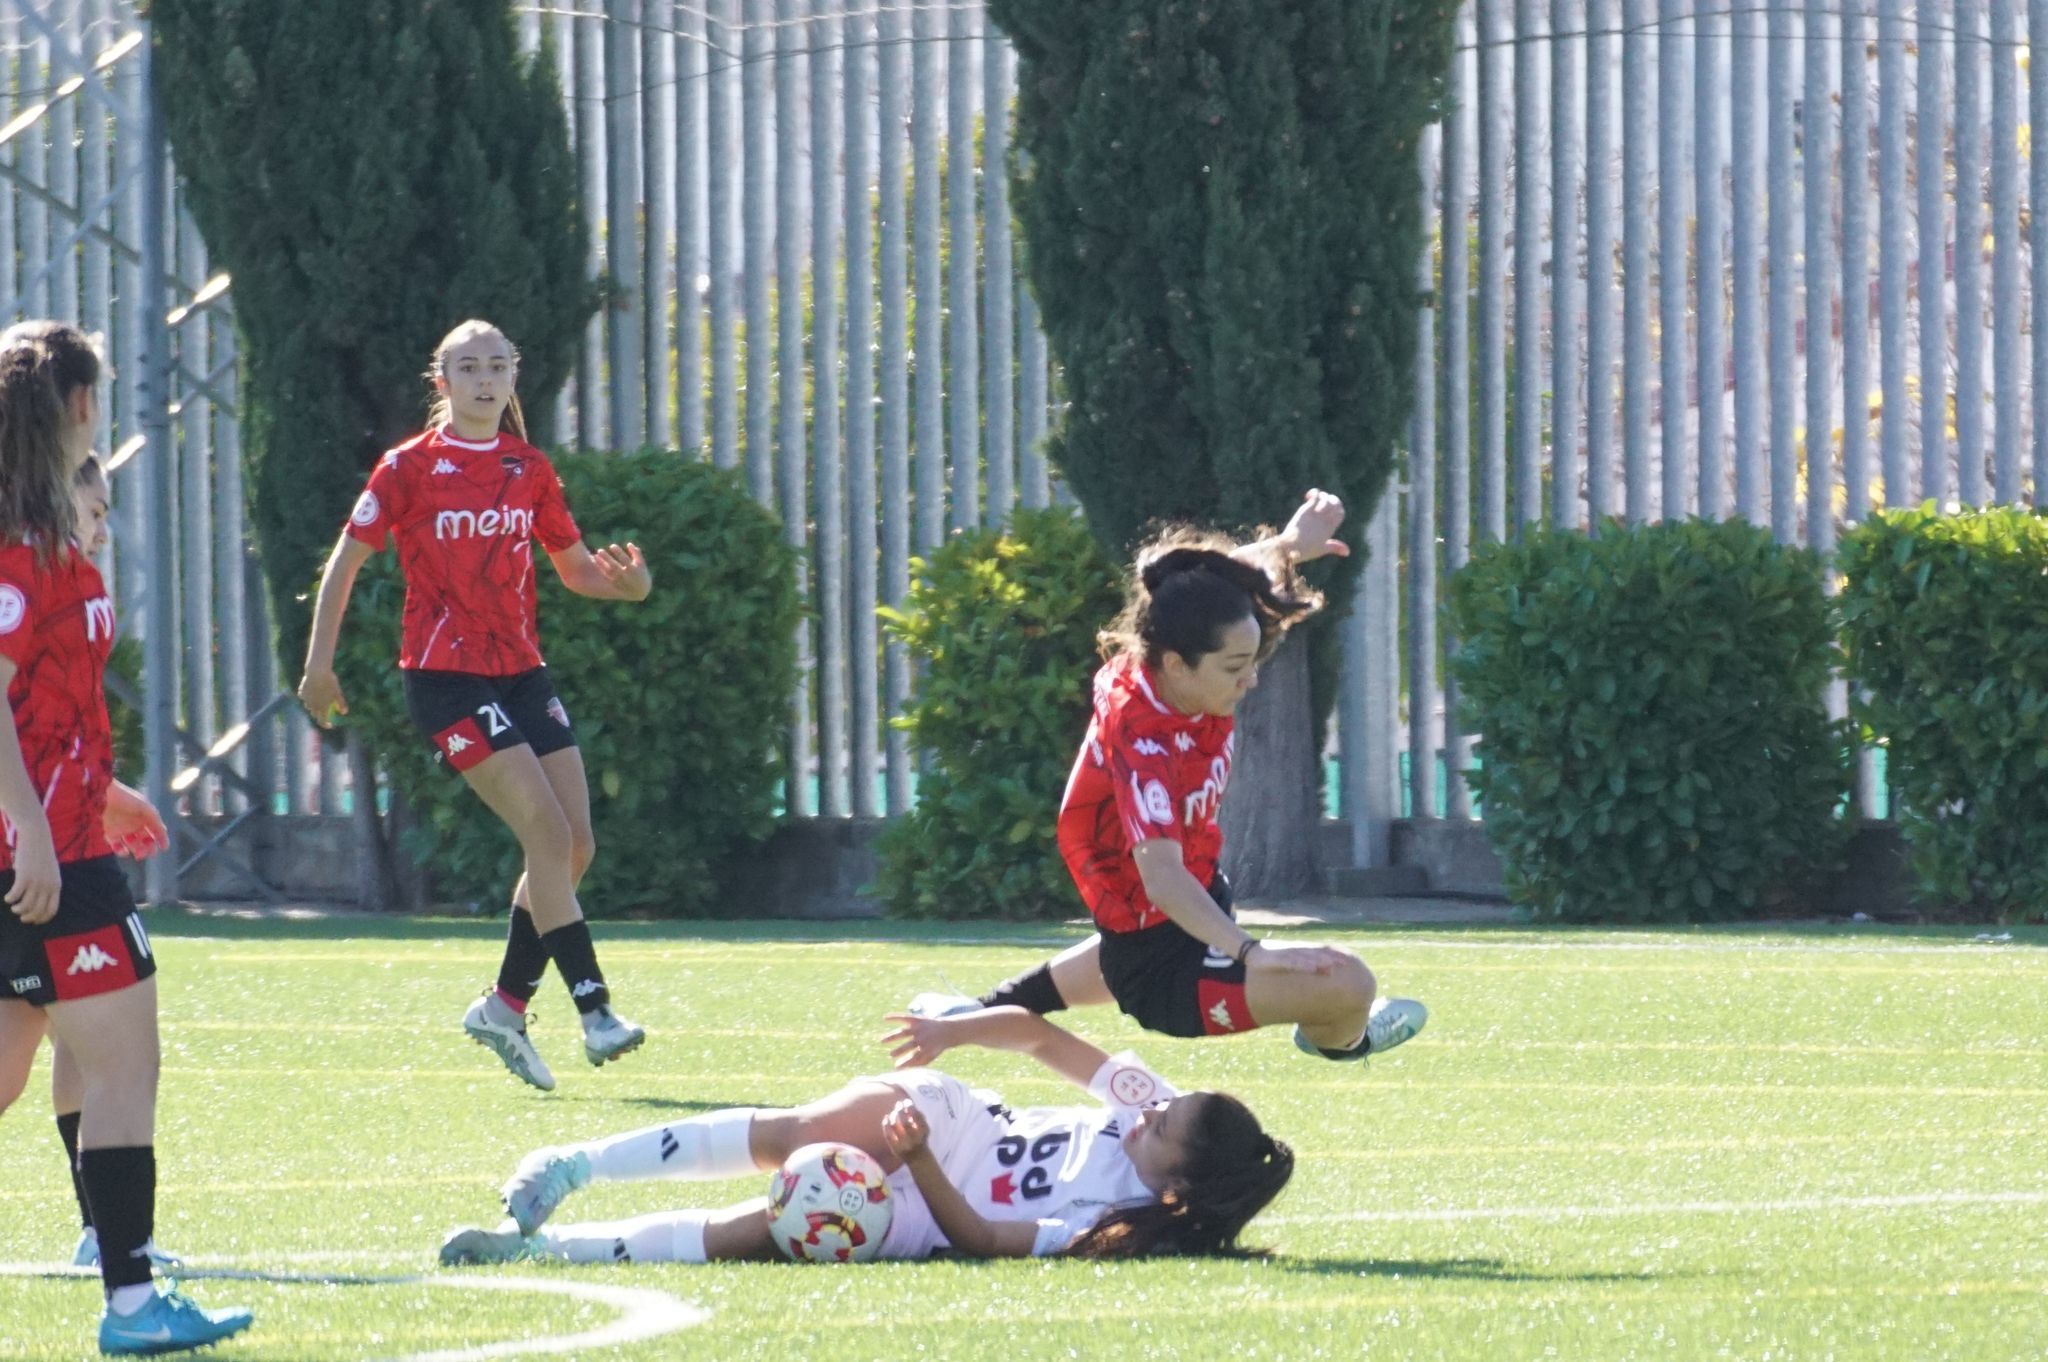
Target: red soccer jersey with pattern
[465,514]
[57,627]
[1146,770]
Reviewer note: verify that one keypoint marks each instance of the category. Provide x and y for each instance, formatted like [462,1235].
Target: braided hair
[1186,590]
[1234,1168]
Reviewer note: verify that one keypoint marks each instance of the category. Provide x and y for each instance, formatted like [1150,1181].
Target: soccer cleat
[87,1254]
[471,1244]
[490,1023]
[542,1182]
[169,1323]
[607,1035]
[1389,1022]
[932,1006]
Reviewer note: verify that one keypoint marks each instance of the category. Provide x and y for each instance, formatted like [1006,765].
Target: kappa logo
[585,988]
[446,466]
[1183,741]
[1220,1016]
[1148,748]
[457,743]
[91,957]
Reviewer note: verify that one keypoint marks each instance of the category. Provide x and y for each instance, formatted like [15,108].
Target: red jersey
[1146,770]
[466,515]
[57,627]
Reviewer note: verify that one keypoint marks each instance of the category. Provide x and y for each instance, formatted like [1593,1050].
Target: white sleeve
[1124,1083]
[1057,1236]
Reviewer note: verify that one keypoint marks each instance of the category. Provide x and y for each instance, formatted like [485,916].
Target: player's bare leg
[21,1031]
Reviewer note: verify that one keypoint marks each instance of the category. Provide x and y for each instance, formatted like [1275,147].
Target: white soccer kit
[1063,1167]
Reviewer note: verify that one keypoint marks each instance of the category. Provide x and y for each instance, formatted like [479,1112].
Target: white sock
[666,1237]
[701,1149]
[126,1300]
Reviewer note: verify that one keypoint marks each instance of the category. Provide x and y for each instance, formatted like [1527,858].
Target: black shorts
[1173,983]
[96,943]
[467,717]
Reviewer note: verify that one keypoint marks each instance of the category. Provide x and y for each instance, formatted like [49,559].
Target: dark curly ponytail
[42,363]
[1234,1170]
[1186,590]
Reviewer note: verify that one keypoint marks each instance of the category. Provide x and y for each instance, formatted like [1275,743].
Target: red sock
[516,1003]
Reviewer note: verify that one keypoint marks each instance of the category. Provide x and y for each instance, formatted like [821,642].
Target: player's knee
[1350,986]
[582,850]
[544,834]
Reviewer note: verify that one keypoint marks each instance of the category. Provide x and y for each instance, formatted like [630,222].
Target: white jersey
[1063,1167]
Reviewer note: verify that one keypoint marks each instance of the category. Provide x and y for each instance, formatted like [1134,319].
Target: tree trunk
[1275,805]
[373,878]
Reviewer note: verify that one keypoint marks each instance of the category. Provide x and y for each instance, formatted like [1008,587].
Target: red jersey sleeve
[552,523]
[378,509]
[1142,778]
[17,614]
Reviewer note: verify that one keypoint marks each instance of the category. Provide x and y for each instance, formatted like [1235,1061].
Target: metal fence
[1670,240]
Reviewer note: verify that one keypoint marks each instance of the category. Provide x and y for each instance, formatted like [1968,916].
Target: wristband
[1246,948]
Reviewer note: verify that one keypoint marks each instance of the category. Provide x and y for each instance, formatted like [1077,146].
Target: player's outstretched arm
[1311,533]
[616,572]
[965,1228]
[319,688]
[921,1040]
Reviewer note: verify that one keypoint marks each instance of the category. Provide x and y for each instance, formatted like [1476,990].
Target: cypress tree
[1221,214]
[369,173]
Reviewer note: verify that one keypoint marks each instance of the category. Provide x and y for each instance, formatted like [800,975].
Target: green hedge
[1002,625]
[1945,622]
[679,700]
[1649,702]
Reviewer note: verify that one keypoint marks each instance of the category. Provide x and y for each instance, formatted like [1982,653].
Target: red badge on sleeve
[89,963]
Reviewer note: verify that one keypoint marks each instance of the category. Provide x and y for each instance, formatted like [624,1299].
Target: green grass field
[1697,1144]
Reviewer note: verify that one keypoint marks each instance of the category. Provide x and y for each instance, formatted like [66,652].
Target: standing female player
[1138,824]
[1146,1171]
[73,951]
[22,1027]
[466,500]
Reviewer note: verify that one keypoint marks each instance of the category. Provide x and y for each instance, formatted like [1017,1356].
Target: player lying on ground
[1147,1171]
[1138,825]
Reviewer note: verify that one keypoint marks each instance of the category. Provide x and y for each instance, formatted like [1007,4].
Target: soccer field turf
[1689,1144]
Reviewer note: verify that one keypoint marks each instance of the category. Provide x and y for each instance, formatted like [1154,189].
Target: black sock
[1033,990]
[526,959]
[67,1131]
[576,960]
[120,1185]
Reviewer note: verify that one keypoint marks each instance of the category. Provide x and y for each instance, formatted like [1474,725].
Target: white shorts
[962,1134]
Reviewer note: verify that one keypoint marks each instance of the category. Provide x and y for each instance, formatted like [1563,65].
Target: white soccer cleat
[1393,1021]
[542,1183]
[933,1006]
[607,1035]
[472,1244]
[492,1024]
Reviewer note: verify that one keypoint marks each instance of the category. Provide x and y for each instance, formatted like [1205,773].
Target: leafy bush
[1650,705]
[678,701]
[1002,624]
[1942,620]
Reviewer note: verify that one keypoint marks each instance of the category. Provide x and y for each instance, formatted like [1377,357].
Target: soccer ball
[829,1203]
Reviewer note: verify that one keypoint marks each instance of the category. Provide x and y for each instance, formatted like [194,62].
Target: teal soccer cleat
[542,1182]
[169,1323]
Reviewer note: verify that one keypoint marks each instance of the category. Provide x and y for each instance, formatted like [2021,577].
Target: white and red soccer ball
[829,1203]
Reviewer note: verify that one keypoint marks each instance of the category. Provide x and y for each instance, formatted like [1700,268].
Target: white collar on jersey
[447,438]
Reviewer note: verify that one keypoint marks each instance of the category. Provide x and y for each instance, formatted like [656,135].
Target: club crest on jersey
[496,520]
[366,509]
[13,609]
[512,464]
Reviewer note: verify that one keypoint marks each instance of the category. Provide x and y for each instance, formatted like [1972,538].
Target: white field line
[644,1313]
[1790,1206]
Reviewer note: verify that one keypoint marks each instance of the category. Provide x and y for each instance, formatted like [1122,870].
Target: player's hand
[320,693]
[1296,959]
[1312,532]
[33,896]
[133,826]
[918,1041]
[626,570]
[905,1129]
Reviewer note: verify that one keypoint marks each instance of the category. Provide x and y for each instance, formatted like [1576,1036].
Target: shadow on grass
[1460,1269]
